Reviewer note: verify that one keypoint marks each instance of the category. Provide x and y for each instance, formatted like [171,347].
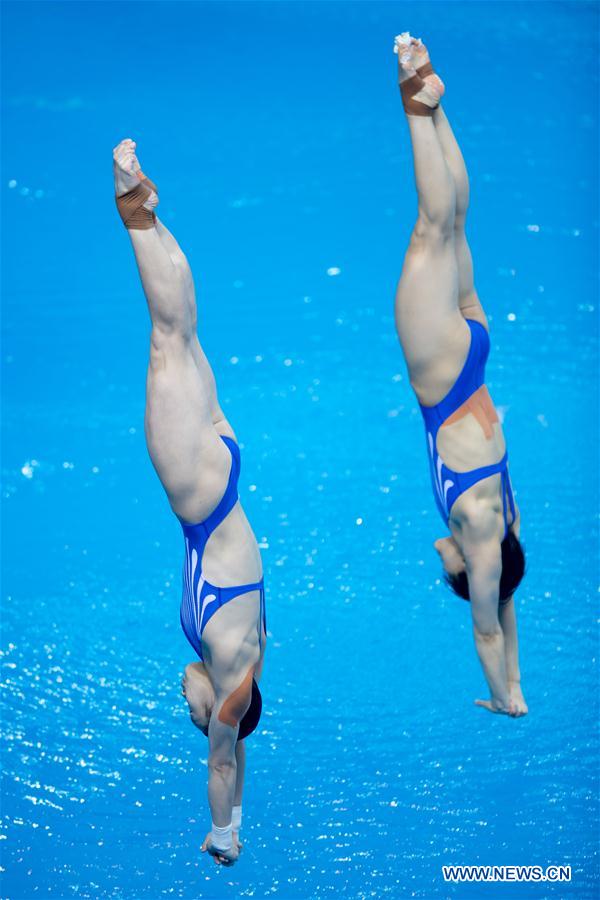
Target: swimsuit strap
[511,498]
[470,378]
[472,374]
[448,485]
[459,482]
[201,600]
[465,480]
[228,593]
[229,498]
[507,493]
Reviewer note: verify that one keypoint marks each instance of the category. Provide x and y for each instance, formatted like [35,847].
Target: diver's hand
[497,706]
[221,857]
[517,699]
[236,841]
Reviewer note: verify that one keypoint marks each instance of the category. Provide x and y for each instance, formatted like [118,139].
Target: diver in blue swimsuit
[443,331]
[196,456]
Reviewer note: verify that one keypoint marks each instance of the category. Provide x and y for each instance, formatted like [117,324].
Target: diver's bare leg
[468,300]
[179,260]
[467,296]
[427,313]
[181,404]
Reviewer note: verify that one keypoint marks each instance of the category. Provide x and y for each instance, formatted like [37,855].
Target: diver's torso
[231,555]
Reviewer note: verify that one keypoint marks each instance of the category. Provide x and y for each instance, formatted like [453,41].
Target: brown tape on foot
[425,69]
[408,89]
[131,206]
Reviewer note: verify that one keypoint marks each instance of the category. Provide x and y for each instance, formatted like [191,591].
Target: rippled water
[275,134]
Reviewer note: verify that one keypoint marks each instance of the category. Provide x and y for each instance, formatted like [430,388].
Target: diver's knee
[431,234]
[171,341]
[459,223]
[488,633]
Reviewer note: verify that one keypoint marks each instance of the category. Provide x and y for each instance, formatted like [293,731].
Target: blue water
[275,134]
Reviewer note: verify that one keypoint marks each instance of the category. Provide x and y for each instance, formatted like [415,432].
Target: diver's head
[197,689]
[455,568]
[452,559]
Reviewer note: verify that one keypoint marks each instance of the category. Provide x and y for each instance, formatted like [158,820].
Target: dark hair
[250,720]
[513,570]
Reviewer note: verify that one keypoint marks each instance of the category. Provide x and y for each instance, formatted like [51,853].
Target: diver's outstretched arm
[484,566]
[240,772]
[508,623]
[489,638]
[231,651]
[240,758]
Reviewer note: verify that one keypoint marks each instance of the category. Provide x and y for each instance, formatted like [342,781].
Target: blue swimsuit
[448,485]
[200,599]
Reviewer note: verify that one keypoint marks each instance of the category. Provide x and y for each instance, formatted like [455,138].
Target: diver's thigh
[186,451]
[427,310]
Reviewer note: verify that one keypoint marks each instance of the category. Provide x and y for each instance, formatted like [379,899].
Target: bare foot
[128,172]
[420,56]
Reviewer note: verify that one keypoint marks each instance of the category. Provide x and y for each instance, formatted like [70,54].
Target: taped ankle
[131,206]
[408,89]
